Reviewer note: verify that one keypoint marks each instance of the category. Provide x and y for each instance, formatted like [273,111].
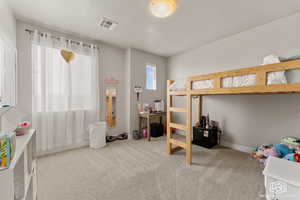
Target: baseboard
[62,149]
[237,147]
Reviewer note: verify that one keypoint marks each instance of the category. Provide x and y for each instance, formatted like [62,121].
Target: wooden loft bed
[261,87]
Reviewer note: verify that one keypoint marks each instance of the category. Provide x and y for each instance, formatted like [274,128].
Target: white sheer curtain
[65,95]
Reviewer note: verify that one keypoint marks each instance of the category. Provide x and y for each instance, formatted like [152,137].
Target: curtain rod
[68,40]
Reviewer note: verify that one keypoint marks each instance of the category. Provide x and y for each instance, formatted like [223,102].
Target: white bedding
[236,81]
[204,84]
[239,81]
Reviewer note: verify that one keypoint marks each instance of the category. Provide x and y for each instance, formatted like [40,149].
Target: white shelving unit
[19,181]
[3,110]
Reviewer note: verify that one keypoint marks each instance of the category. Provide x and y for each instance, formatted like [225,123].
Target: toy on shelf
[22,128]
[7,150]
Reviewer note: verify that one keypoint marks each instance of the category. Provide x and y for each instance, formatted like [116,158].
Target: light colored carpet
[140,170]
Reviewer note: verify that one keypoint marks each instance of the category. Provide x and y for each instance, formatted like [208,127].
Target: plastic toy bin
[282,179]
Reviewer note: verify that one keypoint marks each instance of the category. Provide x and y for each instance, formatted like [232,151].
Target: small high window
[150,77]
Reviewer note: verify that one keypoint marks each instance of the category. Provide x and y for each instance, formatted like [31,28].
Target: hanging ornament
[67,55]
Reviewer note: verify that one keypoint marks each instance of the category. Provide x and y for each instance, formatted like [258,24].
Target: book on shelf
[7,149]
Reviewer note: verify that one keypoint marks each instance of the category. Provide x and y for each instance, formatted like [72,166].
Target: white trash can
[97,135]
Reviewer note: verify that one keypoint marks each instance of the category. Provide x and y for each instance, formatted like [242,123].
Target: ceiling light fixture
[163,8]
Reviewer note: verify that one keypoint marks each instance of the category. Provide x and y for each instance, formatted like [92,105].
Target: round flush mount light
[163,8]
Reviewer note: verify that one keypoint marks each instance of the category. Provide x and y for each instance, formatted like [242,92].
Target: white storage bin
[282,179]
[97,133]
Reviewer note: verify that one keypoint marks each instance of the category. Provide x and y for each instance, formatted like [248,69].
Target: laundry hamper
[282,179]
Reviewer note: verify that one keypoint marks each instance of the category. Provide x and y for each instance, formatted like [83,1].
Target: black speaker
[206,137]
[157,130]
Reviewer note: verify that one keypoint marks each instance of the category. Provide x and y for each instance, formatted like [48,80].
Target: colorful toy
[297,157]
[291,142]
[5,150]
[290,157]
[282,150]
[270,152]
[262,152]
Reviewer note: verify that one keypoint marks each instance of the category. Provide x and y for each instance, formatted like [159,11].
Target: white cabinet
[19,181]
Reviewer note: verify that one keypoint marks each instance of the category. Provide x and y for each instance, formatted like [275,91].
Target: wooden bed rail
[263,69]
[261,86]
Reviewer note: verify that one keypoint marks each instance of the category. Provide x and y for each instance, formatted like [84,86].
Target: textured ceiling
[195,23]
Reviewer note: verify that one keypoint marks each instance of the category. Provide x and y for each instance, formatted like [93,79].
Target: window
[150,77]
[58,86]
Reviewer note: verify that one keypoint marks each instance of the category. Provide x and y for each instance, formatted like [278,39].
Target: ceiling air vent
[108,24]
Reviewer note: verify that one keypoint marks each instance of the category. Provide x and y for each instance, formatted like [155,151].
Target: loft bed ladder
[187,144]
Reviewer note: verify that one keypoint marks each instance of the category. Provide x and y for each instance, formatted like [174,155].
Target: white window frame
[154,77]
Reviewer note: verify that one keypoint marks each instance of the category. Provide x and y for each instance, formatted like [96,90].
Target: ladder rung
[175,149]
[178,126]
[173,109]
[178,143]
[178,93]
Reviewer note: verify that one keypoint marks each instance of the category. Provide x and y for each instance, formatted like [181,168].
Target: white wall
[251,119]
[137,72]
[7,23]
[8,33]
[112,63]
[112,60]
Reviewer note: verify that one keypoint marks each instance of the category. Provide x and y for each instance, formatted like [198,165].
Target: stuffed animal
[291,142]
[262,152]
[270,152]
[297,157]
[282,150]
[290,157]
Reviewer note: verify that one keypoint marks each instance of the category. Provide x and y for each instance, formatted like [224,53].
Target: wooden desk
[149,117]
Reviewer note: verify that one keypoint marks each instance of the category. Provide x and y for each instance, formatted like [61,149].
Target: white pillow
[270,59]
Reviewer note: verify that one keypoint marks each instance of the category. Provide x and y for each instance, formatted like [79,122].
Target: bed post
[200,113]
[169,117]
[189,124]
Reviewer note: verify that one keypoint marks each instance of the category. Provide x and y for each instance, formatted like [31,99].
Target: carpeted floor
[140,170]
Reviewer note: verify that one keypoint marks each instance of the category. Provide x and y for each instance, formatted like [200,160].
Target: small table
[148,117]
